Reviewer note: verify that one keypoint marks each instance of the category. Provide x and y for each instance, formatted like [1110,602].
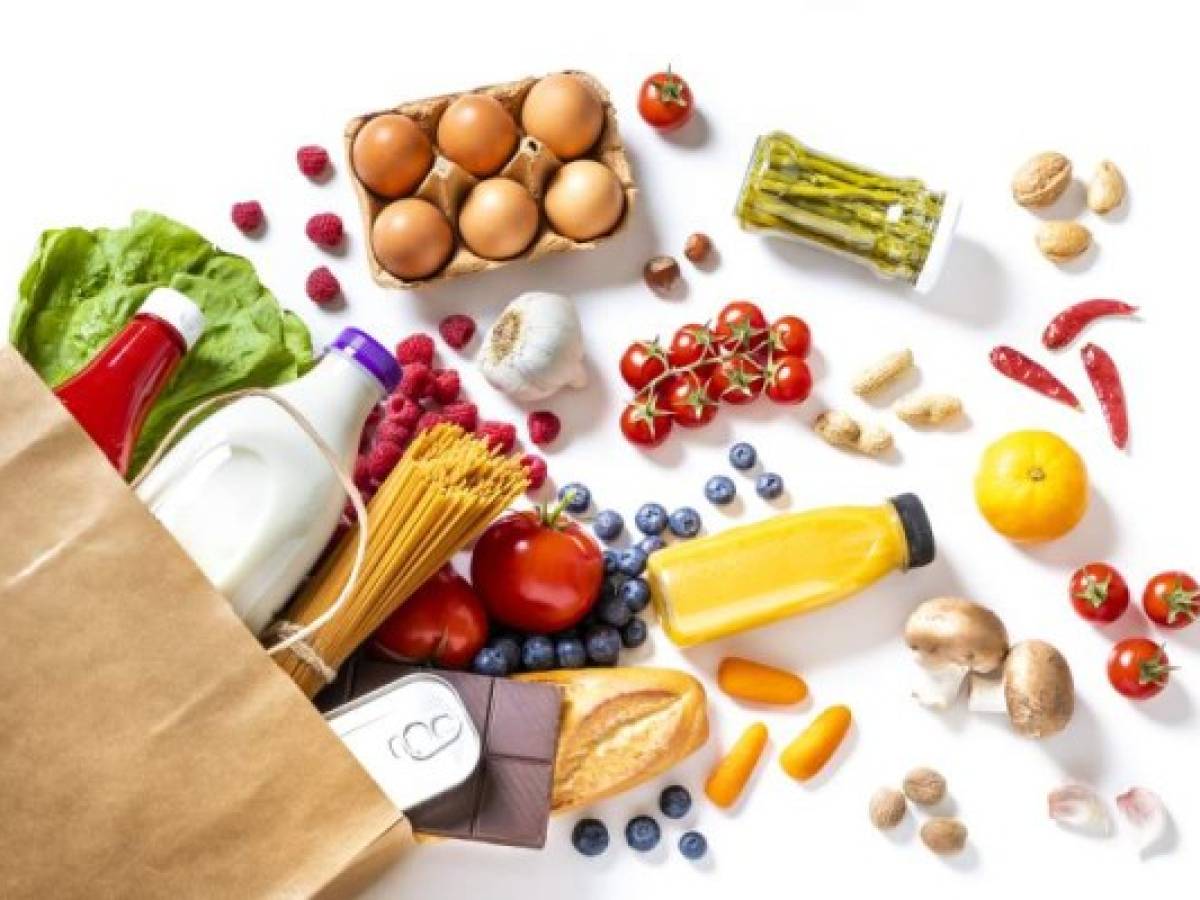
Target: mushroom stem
[936,687]
[987,694]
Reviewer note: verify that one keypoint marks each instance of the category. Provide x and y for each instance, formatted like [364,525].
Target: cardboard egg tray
[447,184]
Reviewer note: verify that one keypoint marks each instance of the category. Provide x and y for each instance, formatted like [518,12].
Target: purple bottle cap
[370,354]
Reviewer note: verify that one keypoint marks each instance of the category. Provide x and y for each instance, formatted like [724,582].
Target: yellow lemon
[1032,486]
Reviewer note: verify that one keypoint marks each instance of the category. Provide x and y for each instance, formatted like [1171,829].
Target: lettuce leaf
[83,286]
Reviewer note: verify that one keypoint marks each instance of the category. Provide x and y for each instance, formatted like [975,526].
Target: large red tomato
[443,622]
[537,571]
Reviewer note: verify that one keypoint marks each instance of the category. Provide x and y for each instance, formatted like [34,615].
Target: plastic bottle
[112,395]
[248,494]
[749,576]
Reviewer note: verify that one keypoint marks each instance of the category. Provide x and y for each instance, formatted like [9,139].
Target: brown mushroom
[951,638]
[1035,689]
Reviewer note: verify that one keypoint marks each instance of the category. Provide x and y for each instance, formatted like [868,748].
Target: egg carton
[447,183]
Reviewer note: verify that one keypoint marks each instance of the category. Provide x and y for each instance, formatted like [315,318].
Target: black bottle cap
[917,530]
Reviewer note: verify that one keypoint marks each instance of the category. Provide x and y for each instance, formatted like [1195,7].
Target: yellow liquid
[755,574]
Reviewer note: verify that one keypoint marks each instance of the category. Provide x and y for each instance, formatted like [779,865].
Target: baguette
[621,727]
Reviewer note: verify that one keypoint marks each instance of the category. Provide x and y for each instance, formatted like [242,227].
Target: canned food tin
[413,736]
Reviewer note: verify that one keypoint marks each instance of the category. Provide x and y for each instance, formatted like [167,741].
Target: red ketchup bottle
[112,395]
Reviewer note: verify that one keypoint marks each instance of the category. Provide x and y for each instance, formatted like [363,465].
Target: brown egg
[499,219]
[564,113]
[477,132]
[584,200]
[391,155]
[411,238]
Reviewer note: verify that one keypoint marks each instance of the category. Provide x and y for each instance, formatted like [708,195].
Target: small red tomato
[693,344]
[738,380]
[444,622]
[788,380]
[790,336]
[644,424]
[665,100]
[686,398]
[1172,599]
[1138,668]
[537,571]
[1099,593]
[741,326]
[642,362]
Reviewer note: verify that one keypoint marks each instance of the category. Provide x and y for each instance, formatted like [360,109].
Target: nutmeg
[925,786]
[887,808]
[944,836]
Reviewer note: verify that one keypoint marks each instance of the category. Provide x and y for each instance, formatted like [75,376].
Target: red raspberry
[395,431]
[324,229]
[416,348]
[499,436]
[544,426]
[416,381]
[383,458]
[248,216]
[403,410]
[457,330]
[464,415]
[312,160]
[362,472]
[535,469]
[428,420]
[322,286]
[446,386]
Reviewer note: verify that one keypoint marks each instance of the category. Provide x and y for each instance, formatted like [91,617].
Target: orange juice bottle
[794,563]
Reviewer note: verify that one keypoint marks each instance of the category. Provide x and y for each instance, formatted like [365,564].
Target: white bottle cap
[177,311]
[943,235]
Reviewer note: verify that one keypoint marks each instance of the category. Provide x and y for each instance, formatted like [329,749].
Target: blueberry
[608,525]
[720,490]
[642,833]
[613,611]
[693,845]
[611,586]
[769,485]
[580,500]
[675,801]
[490,661]
[612,559]
[510,649]
[635,594]
[632,562]
[537,653]
[742,456]
[685,522]
[590,837]
[570,653]
[651,518]
[651,544]
[634,634]
[603,645]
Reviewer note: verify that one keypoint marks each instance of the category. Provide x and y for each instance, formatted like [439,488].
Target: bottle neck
[335,397]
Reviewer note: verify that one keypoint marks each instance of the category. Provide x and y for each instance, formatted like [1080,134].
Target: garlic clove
[987,693]
[1080,808]
[1143,809]
[936,687]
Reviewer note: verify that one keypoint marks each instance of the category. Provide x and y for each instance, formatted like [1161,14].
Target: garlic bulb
[535,348]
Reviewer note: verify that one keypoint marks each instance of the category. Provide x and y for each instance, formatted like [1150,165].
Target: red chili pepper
[1069,323]
[1106,381]
[1020,368]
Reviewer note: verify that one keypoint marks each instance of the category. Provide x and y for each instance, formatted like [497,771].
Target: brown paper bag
[149,747]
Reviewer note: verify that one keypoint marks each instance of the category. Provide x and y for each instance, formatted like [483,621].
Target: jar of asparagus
[897,226]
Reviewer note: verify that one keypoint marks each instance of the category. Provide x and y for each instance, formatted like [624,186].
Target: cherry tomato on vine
[741,326]
[738,380]
[642,362]
[690,345]
[1099,593]
[1172,599]
[644,424]
[1138,668]
[686,397]
[790,336]
[788,380]
[665,100]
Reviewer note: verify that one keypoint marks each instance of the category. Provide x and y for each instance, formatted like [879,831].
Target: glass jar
[896,226]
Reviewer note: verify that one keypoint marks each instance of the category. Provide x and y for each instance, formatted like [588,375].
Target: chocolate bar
[507,800]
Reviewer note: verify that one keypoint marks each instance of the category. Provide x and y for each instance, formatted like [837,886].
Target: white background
[186,108]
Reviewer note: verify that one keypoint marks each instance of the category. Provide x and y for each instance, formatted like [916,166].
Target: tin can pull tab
[422,740]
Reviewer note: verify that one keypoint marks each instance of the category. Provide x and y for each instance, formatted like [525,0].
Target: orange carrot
[729,778]
[747,680]
[807,754]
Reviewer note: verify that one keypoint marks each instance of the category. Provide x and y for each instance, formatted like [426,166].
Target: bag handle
[303,633]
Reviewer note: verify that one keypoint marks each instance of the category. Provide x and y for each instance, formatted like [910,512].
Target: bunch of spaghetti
[445,491]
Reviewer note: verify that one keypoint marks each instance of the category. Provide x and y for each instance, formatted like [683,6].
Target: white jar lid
[178,311]
[943,237]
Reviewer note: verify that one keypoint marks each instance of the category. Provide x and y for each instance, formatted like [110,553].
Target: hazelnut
[887,808]
[945,837]
[697,247]
[924,786]
[661,274]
